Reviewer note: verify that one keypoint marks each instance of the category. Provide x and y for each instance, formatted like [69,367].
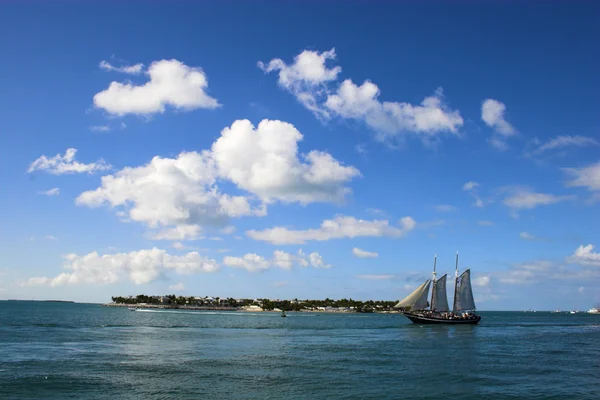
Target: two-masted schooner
[416,307]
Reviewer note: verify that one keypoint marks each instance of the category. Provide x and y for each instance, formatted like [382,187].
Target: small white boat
[593,310]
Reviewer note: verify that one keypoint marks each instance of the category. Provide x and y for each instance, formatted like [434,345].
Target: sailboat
[416,307]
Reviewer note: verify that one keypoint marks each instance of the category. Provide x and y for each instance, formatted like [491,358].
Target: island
[231,304]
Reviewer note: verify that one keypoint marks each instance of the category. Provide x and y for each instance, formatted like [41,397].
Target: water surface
[84,351]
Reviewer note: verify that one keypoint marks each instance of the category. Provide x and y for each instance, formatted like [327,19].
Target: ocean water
[84,351]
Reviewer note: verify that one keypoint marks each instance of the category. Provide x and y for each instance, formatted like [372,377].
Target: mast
[434,281]
[455,283]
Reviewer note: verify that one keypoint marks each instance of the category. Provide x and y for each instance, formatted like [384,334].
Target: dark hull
[422,319]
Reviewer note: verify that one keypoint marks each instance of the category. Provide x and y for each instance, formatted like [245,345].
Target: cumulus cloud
[492,113]
[340,227]
[50,192]
[522,198]
[427,119]
[281,259]
[126,69]
[585,255]
[588,177]
[66,164]
[305,78]
[140,267]
[178,191]
[171,83]
[310,80]
[360,253]
[265,161]
[183,194]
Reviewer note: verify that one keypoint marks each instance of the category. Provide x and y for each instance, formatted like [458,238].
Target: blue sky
[300,150]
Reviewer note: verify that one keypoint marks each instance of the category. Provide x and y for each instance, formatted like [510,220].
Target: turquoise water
[82,351]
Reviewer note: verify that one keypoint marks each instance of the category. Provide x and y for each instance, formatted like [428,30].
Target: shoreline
[241,309]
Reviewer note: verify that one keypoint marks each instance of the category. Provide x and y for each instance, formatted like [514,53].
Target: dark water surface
[82,351]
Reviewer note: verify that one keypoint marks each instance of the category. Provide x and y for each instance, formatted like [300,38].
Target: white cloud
[524,198]
[566,141]
[527,236]
[305,78]
[281,259]
[375,277]
[140,267]
[445,208]
[252,262]
[481,281]
[470,185]
[51,192]
[184,192]
[59,165]
[316,260]
[178,245]
[178,191]
[485,223]
[50,237]
[389,119]
[364,254]
[178,287]
[215,238]
[527,273]
[309,79]
[588,176]
[585,255]
[492,113]
[171,83]
[265,161]
[179,232]
[581,290]
[338,228]
[100,128]
[126,69]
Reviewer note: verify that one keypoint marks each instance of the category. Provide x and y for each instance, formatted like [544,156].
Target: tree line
[266,304]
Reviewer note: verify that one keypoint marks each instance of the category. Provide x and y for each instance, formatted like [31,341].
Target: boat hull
[423,319]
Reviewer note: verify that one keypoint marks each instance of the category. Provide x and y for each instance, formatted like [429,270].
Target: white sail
[463,298]
[417,300]
[439,299]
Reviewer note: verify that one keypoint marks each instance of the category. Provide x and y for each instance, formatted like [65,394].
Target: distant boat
[283,314]
[573,311]
[416,308]
[556,311]
[132,308]
[593,310]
